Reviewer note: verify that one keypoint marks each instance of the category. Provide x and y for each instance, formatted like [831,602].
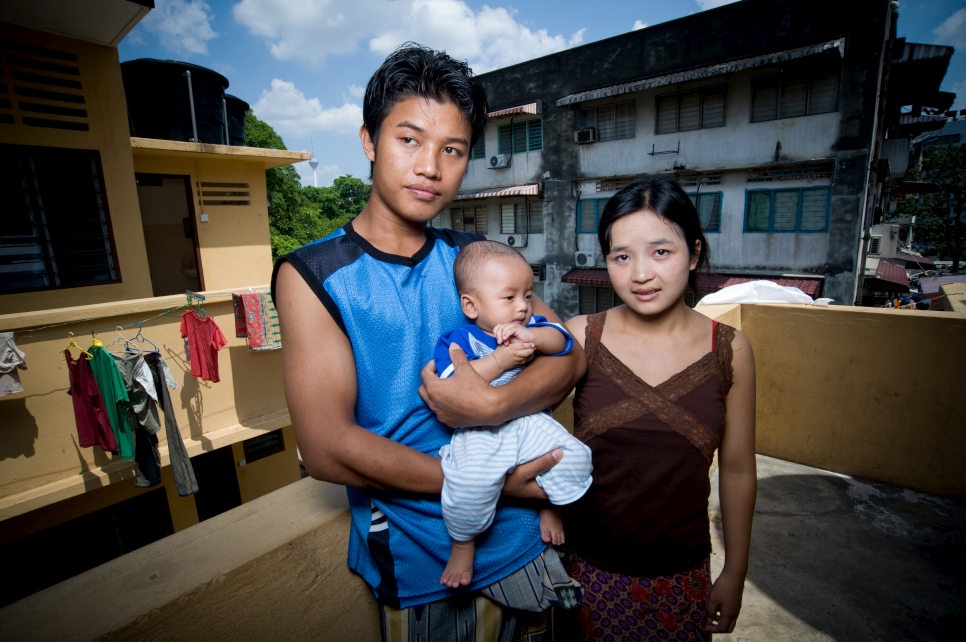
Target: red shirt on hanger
[205,340]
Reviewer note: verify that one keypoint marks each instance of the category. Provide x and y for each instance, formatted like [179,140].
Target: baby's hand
[513,355]
[507,333]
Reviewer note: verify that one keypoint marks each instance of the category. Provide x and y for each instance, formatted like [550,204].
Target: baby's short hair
[471,259]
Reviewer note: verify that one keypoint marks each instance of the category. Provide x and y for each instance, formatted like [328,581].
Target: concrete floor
[838,558]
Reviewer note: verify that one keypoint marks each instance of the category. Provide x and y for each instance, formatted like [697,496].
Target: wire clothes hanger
[143,339]
[73,344]
[127,343]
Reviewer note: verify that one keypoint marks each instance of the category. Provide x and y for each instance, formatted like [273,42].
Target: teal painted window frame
[599,204]
[524,136]
[720,196]
[798,210]
[478,150]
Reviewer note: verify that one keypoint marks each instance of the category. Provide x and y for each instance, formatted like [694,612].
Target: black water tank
[157,100]
[236,108]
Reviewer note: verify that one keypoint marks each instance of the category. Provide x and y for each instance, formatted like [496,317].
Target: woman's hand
[724,602]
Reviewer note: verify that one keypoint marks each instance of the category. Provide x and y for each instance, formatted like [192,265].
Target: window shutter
[504,139]
[756,214]
[520,210]
[437,221]
[814,209]
[713,110]
[690,112]
[764,99]
[708,210]
[586,217]
[536,218]
[519,137]
[625,120]
[604,299]
[456,220]
[535,135]
[586,118]
[874,245]
[588,299]
[482,225]
[606,129]
[507,218]
[667,114]
[479,149]
[794,99]
[824,95]
[469,219]
[786,210]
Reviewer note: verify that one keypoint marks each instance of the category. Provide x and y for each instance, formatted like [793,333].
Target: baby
[495,285]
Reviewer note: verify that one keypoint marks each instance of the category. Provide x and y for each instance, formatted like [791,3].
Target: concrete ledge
[270,569]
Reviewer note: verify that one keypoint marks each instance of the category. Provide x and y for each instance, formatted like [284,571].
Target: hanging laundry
[134,371]
[184,474]
[116,400]
[256,319]
[205,339]
[11,359]
[93,426]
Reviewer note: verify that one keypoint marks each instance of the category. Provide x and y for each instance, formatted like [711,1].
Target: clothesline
[30,332]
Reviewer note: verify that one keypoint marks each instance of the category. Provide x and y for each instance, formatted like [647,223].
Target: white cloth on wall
[760,292]
[11,360]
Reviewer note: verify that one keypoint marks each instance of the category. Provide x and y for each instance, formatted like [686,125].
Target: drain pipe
[224,114]
[191,106]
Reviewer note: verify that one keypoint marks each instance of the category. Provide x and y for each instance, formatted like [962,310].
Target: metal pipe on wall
[191,106]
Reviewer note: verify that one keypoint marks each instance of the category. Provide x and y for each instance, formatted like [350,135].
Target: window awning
[704,72]
[706,283]
[517,190]
[529,108]
[890,277]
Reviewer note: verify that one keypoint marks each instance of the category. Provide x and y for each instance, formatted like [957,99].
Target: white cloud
[287,109]
[713,4]
[313,31]
[356,91]
[639,24]
[960,90]
[952,31]
[182,26]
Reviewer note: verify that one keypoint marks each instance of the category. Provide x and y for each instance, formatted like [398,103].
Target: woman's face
[649,262]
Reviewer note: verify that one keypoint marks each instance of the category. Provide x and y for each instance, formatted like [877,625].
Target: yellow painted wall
[40,461]
[234,242]
[100,76]
[862,391]
[270,473]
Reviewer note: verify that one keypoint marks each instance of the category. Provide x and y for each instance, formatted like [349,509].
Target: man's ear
[368,145]
[469,306]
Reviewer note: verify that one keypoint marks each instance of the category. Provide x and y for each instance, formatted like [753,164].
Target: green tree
[298,215]
[941,217]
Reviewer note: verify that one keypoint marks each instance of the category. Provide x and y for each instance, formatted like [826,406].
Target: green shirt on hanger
[114,392]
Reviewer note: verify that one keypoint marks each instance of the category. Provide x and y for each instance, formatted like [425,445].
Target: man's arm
[465,399]
[320,387]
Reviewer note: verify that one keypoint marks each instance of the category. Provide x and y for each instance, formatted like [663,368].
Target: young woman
[665,387]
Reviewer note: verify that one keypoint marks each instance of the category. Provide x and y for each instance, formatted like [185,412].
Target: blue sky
[303,64]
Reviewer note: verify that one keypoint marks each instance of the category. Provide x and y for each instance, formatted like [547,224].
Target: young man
[360,312]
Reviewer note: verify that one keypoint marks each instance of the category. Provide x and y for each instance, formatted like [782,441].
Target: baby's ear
[469,306]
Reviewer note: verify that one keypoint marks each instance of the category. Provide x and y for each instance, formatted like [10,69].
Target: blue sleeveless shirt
[393,309]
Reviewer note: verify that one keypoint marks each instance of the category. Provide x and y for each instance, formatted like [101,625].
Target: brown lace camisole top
[647,511]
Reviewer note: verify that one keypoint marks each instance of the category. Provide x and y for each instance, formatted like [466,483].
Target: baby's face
[501,293]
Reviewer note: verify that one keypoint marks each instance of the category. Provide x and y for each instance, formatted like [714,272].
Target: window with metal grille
[874,245]
[539,275]
[588,214]
[514,218]
[479,149]
[788,95]
[437,221]
[593,299]
[788,210]
[525,136]
[264,445]
[56,228]
[44,86]
[687,111]
[708,205]
[468,219]
[613,122]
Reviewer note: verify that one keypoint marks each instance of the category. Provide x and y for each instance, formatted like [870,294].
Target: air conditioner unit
[584,136]
[585,259]
[499,161]
[517,240]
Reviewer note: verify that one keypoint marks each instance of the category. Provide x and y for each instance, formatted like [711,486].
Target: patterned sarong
[256,318]
[622,607]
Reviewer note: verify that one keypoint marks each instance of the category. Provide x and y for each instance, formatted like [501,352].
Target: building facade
[768,113]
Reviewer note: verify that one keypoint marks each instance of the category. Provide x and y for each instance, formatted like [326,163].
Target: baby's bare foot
[551,526]
[459,568]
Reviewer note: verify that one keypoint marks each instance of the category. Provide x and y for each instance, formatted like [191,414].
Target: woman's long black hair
[665,198]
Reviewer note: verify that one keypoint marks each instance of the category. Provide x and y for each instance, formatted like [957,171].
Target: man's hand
[521,483]
[508,333]
[462,400]
[513,355]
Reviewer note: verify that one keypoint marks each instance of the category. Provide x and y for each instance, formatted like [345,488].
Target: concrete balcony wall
[40,460]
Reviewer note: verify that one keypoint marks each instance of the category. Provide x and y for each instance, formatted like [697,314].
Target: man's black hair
[413,70]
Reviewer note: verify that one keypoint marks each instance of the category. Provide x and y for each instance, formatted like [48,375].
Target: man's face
[420,157]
